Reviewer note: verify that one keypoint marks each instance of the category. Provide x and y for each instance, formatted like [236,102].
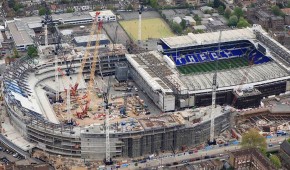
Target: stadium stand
[201,54]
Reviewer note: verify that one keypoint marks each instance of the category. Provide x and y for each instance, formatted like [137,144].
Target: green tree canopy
[276,10]
[233,20]
[242,23]
[275,160]
[238,12]
[221,10]
[176,27]
[227,13]
[196,18]
[70,10]
[153,3]
[42,11]
[32,51]
[183,24]
[15,53]
[253,139]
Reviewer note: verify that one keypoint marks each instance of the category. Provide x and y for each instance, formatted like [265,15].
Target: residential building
[284,154]
[277,23]
[189,21]
[105,16]
[177,20]
[250,159]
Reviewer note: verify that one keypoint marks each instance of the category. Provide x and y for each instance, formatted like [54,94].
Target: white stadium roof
[208,38]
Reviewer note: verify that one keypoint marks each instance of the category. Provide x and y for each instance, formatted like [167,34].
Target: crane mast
[214,88]
[107,124]
[140,24]
[87,51]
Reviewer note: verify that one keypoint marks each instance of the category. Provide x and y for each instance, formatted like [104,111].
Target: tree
[276,10]
[242,23]
[275,160]
[32,51]
[252,139]
[238,12]
[41,11]
[15,53]
[153,3]
[233,20]
[70,10]
[221,10]
[227,13]
[176,27]
[288,4]
[183,24]
[196,18]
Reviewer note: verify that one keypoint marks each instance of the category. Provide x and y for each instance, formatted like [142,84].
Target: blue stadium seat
[210,53]
[191,58]
[179,61]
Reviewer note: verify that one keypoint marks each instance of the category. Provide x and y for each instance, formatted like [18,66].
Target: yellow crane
[86,55]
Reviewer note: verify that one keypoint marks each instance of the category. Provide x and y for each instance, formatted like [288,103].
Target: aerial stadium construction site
[176,77]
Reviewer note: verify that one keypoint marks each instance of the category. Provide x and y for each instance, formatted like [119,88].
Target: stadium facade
[27,81]
[158,74]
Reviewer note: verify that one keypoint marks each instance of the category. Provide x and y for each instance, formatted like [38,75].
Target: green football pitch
[210,66]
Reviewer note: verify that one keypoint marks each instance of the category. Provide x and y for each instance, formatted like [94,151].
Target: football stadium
[250,66]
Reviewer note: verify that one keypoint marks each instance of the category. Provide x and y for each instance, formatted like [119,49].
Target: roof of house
[285,146]
[177,20]
[286,11]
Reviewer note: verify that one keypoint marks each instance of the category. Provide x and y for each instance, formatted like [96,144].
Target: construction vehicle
[84,112]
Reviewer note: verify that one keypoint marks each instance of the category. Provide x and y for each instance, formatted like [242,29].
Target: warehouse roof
[71,16]
[20,35]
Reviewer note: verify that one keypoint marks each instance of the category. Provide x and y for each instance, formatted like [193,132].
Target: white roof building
[105,16]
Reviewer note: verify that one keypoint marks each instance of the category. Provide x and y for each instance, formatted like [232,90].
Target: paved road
[169,159]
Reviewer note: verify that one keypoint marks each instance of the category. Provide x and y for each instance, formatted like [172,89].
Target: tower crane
[214,88]
[87,51]
[91,86]
[68,94]
[108,160]
[140,23]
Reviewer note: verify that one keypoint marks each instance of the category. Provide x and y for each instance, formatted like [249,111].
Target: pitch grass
[151,28]
[210,66]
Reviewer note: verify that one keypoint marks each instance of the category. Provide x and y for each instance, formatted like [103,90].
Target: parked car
[15,155]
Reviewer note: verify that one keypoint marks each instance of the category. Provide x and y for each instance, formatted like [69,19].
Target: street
[169,158]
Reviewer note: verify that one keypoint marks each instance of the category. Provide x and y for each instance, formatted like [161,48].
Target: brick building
[284,154]
[265,18]
[250,159]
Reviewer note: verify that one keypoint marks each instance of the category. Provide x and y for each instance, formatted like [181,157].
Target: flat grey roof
[72,16]
[20,37]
